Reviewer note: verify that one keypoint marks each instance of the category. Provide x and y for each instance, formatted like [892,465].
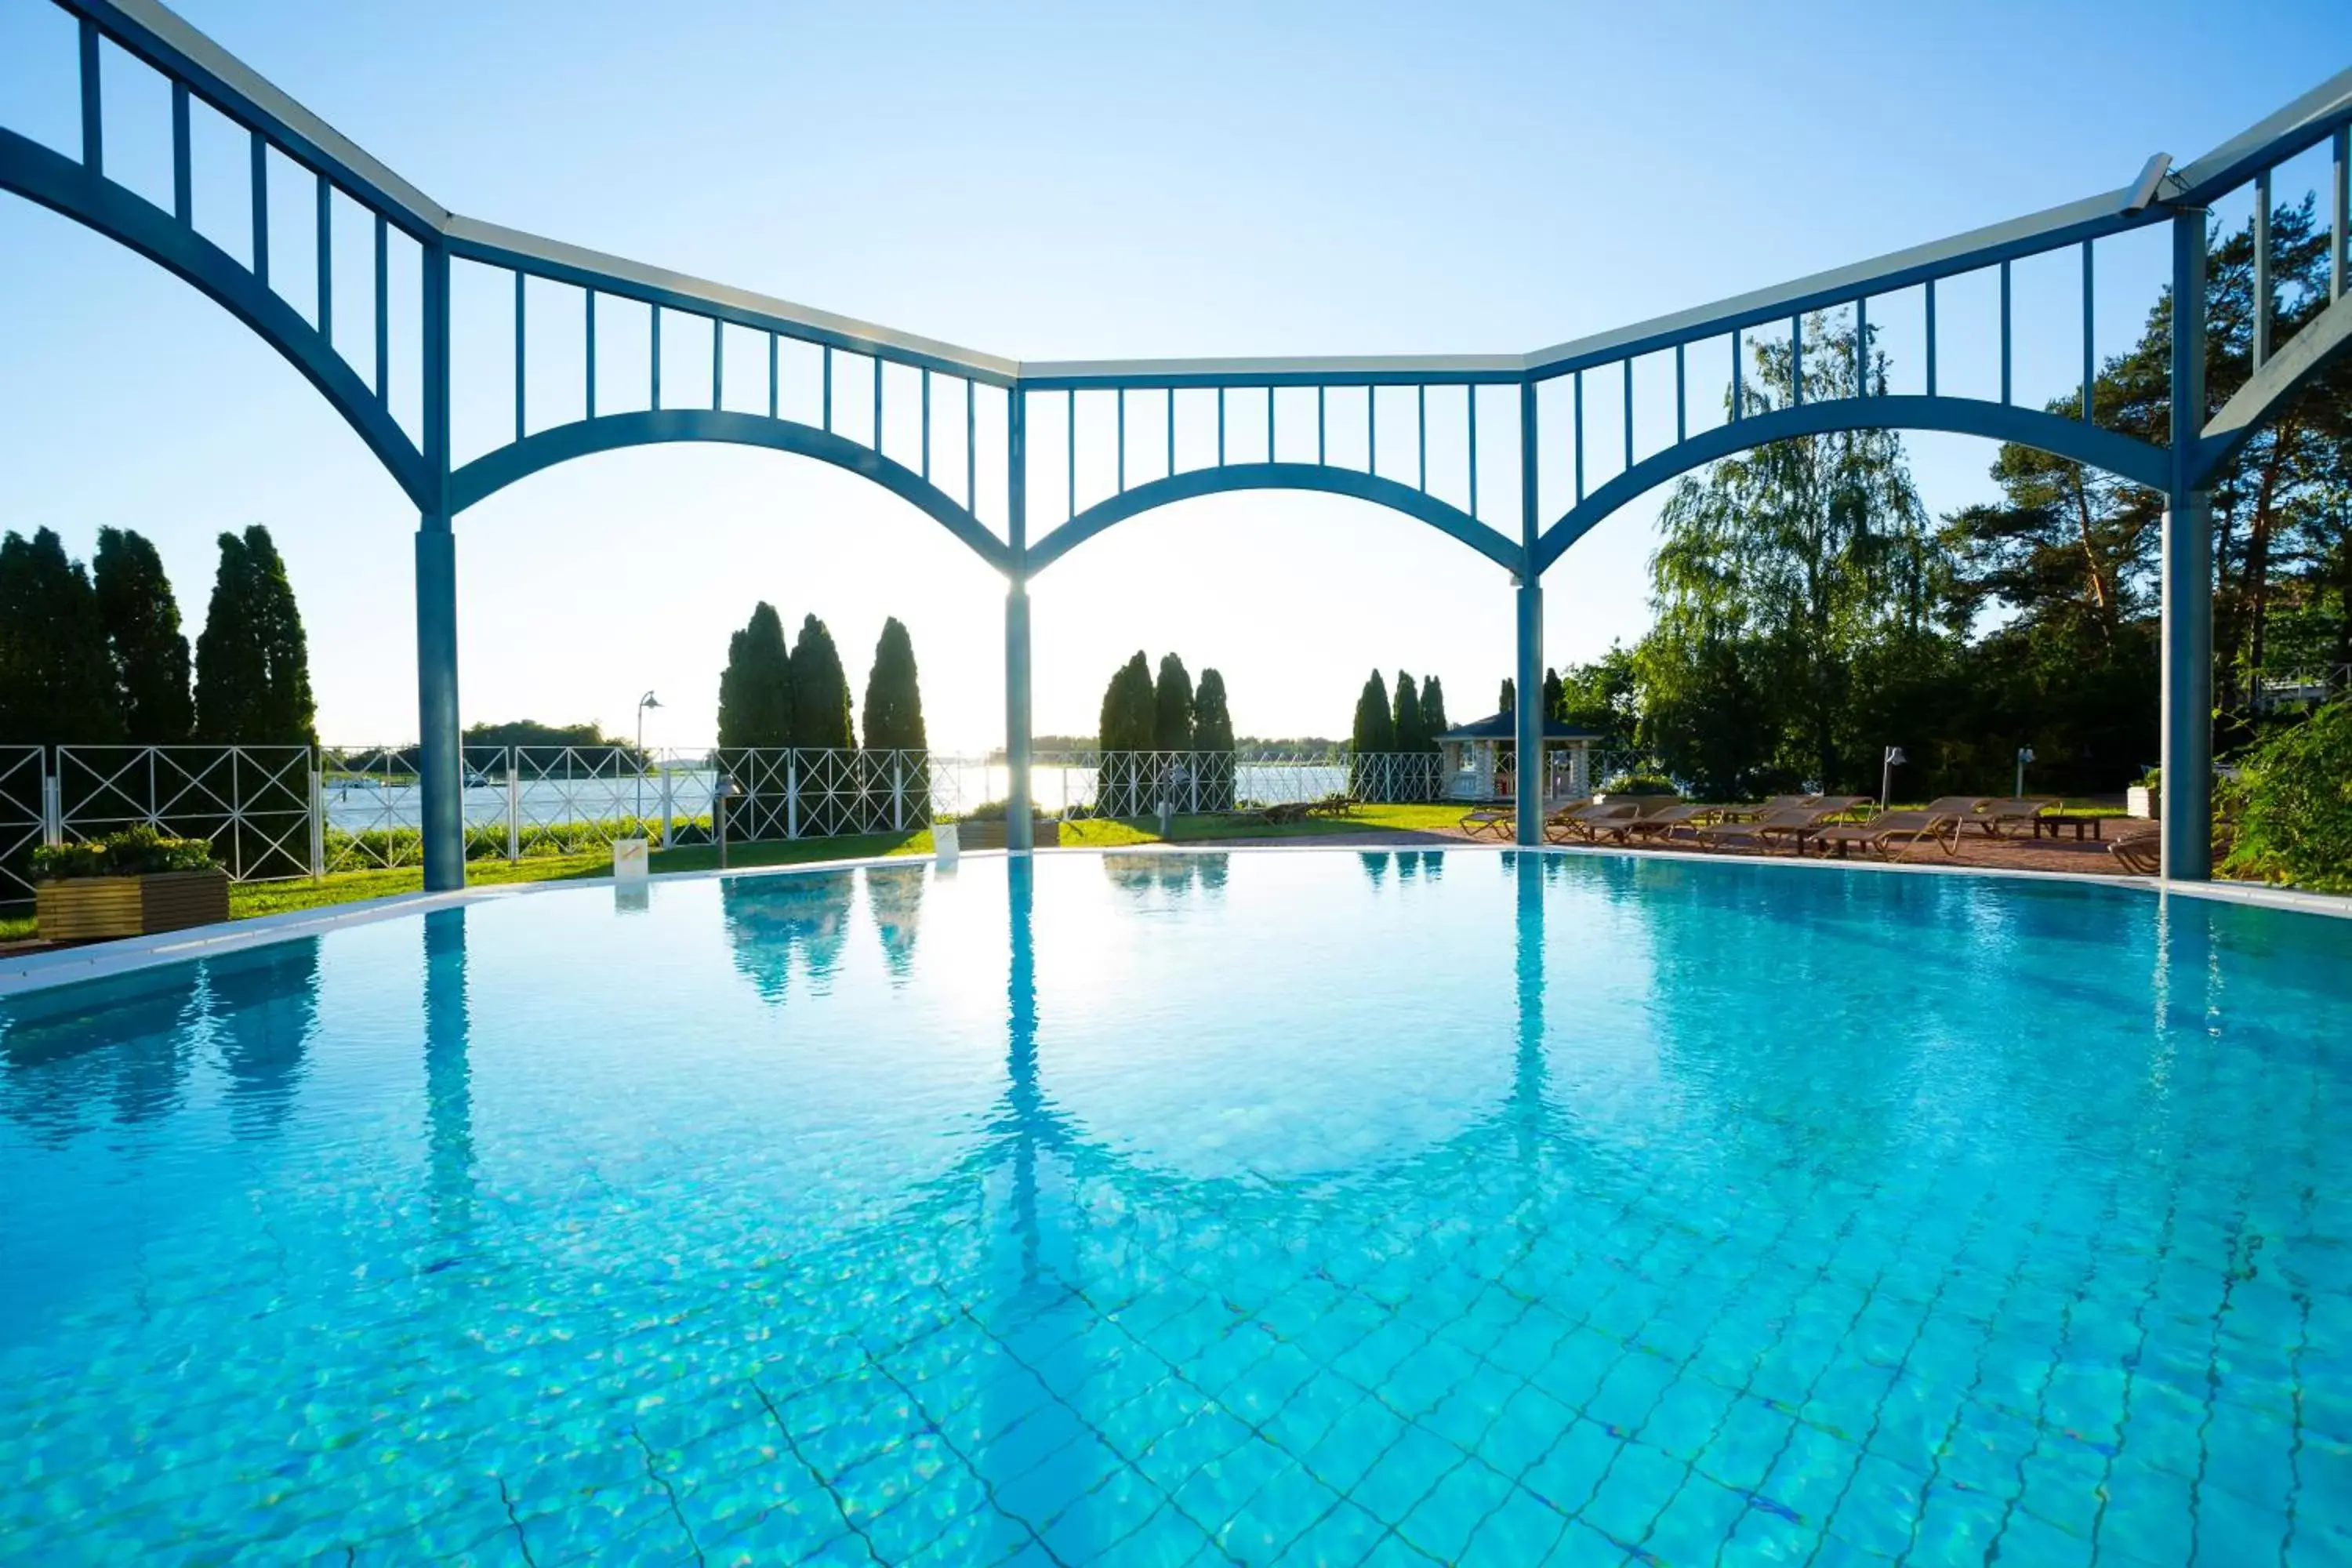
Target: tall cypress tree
[1129,715]
[55,685]
[1213,724]
[1555,695]
[1172,707]
[1406,716]
[1508,696]
[894,701]
[820,691]
[293,712]
[1375,728]
[1433,721]
[146,650]
[755,689]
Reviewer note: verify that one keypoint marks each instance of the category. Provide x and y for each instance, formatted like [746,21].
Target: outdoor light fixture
[647,701]
[1895,759]
[725,790]
[2024,755]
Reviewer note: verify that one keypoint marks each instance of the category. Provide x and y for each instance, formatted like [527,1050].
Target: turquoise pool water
[1298,1207]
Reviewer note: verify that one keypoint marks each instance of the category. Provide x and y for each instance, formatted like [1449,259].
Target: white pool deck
[39,970]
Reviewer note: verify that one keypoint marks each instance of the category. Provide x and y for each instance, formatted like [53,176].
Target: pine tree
[1404,719]
[1213,723]
[292,714]
[755,689]
[1129,715]
[894,700]
[1172,707]
[145,648]
[1433,710]
[1555,697]
[820,691]
[1375,729]
[56,687]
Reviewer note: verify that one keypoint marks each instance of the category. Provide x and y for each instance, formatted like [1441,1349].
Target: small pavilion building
[1478,759]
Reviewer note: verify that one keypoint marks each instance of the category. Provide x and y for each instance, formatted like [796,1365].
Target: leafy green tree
[755,689]
[1433,710]
[1129,708]
[1603,698]
[1404,716]
[894,700]
[820,691]
[145,648]
[1213,724]
[1172,707]
[1789,561]
[56,687]
[253,666]
[1375,728]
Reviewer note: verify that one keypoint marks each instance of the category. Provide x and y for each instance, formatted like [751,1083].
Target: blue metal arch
[1419,504]
[2122,455]
[493,471]
[65,186]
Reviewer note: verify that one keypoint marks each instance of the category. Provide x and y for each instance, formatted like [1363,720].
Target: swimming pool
[1299,1206]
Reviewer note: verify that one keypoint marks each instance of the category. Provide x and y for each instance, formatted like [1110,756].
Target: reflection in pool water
[1152,1207]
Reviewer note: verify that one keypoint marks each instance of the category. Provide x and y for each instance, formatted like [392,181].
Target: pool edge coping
[99,961]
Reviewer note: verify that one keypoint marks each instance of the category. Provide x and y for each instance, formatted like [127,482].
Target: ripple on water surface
[1317,1208]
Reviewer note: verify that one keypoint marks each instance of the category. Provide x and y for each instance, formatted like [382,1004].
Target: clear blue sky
[1053,182]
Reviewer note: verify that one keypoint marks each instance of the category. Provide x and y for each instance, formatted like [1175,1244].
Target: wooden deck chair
[1891,834]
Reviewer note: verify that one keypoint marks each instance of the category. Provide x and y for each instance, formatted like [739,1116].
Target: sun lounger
[1661,827]
[2140,852]
[1794,823]
[1996,816]
[1891,835]
[1589,823]
[1498,820]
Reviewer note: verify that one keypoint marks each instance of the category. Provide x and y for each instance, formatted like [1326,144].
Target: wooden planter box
[991,834]
[84,909]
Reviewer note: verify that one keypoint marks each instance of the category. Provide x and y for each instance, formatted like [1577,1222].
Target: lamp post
[647,701]
[1895,759]
[2024,755]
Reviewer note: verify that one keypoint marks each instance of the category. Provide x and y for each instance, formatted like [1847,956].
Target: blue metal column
[1527,769]
[1019,833]
[2188,749]
[440,767]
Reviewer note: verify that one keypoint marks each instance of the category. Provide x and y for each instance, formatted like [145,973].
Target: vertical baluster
[972,446]
[1626,373]
[93,113]
[825,392]
[1318,427]
[1470,395]
[1421,435]
[1372,429]
[1070,447]
[1931,337]
[382,308]
[1739,390]
[1576,386]
[184,183]
[259,175]
[1269,423]
[588,403]
[926,470]
[1221,426]
[1120,444]
[326,260]
[654,399]
[2339,256]
[1862,348]
[717,363]
[1797,360]
[1170,395]
[772,375]
[519,356]
[1682,398]
[877,404]
[2090,348]
[2261,344]
[2004,332]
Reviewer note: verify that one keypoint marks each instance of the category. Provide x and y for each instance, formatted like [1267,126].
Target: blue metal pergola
[1264,411]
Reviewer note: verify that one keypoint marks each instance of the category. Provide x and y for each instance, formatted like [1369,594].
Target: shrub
[134,852]
[2294,806]
[1640,783]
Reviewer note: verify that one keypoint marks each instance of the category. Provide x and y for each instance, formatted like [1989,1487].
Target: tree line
[771,695]
[98,656]
[1408,718]
[1167,714]
[1809,612]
